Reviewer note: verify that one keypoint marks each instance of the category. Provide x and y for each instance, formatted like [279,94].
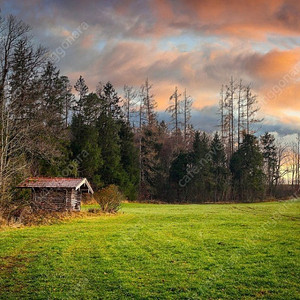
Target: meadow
[150,251]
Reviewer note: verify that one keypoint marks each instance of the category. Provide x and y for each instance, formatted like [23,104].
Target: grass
[148,251]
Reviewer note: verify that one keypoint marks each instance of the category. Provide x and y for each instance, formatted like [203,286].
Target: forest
[51,127]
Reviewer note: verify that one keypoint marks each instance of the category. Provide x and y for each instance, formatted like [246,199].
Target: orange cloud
[275,64]
[251,19]
[201,73]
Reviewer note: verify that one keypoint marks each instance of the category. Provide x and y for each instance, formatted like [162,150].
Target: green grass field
[147,251]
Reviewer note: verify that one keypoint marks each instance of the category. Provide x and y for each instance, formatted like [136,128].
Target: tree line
[50,128]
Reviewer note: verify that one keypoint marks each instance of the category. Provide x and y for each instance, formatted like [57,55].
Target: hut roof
[55,182]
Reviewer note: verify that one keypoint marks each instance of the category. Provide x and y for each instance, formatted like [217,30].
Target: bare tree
[241,115]
[295,162]
[12,138]
[187,105]
[31,111]
[11,31]
[129,104]
[252,108]
[12,145]
[174,110]
[281,169]
[68,98]
[227,115]
[222,114]
[238,108]
[148,102]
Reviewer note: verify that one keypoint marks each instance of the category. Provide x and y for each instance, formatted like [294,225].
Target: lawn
[148,251]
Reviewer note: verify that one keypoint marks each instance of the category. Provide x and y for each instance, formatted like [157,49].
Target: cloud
[274,65]
[193,44]
[251,19]
[201,72]
[157,18]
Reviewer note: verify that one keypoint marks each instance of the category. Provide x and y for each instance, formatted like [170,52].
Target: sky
[192,44]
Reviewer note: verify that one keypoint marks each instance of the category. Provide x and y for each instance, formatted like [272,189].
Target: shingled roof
[55,182]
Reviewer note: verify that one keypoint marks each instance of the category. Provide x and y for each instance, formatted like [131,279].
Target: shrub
[109,199]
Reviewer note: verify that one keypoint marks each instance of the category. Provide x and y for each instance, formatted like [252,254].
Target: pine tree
[111,102]
[129,161]
[82,89]
[91,108]
[52,89]
[200,166]
[109,143]
[52,134]
[269,151]
[246,166]
[86,150]
[219,169]
[179,179]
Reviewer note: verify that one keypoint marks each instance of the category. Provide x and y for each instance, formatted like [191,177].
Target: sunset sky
[195,45]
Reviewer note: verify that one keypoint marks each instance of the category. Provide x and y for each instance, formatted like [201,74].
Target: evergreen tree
[53,108]
[246,166]
[85,149]
[82,90]
[180,181]
[269,151]
[51,135]
[219,169]
[111,102]
[91,108]
[20,80]
[109,143]
[129,161]
[202,178]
